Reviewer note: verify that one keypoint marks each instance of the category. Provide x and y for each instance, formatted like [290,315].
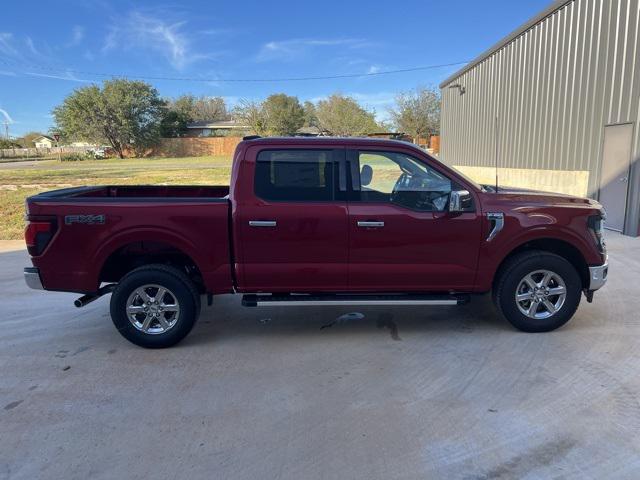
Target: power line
[231,80]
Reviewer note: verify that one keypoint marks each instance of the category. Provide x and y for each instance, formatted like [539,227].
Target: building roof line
[547,12]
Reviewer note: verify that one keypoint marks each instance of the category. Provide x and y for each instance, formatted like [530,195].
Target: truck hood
[538,197]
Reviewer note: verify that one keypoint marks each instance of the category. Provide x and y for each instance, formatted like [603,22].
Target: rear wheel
[537,291]
[155,306]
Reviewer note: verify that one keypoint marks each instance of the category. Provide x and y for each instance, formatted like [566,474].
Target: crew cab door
[402,236]
[291,220]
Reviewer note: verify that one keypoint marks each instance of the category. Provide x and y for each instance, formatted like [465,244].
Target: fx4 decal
[84,219]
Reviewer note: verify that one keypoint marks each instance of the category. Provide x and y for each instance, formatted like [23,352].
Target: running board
[262,300]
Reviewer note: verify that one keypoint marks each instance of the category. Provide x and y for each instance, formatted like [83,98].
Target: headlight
[596,225]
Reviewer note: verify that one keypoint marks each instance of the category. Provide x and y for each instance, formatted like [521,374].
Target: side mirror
[459,201]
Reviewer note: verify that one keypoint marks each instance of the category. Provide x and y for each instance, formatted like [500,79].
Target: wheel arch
[131,251]
[557,246]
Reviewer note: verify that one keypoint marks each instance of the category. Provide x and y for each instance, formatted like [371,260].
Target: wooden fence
[39,152]
[195,147]
[207,146]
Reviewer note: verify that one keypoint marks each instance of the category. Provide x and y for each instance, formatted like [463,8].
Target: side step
[288,300]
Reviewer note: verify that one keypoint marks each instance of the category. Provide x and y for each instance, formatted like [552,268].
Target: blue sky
[47,49]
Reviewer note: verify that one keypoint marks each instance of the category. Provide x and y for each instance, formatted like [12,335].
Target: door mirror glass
[460,201]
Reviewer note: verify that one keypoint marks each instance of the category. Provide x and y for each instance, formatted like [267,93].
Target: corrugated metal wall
[553,89]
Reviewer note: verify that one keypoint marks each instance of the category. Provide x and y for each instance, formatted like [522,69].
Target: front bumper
[598,276]
[32,278]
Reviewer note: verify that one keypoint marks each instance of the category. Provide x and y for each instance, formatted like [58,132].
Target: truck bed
[94,224]
[170,192]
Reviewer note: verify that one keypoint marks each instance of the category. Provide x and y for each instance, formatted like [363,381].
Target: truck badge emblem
[84,219]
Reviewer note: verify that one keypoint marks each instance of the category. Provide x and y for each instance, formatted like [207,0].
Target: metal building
[556,106]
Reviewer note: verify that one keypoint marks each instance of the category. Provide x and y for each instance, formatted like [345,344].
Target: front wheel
[155,306]
[538,291]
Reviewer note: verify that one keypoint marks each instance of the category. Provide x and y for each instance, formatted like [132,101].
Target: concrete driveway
[406,393]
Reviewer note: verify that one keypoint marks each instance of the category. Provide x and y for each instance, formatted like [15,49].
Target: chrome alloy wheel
[153,309]
[541,294]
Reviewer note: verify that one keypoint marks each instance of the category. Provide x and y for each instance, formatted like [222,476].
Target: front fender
[517,233]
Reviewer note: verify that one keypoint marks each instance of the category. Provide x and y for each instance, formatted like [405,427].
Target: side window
[295,175]
[403,180]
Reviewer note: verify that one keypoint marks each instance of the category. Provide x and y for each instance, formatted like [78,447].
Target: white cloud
[30,45]
[6,116]
[215,31]
[294,48]
[146,31]
[6,44]
[77,35]
[62,76]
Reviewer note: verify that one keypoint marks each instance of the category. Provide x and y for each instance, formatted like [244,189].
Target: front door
[402,237]
[614,178]
[291,222]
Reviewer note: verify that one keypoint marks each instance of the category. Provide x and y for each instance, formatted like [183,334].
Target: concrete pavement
[270,393]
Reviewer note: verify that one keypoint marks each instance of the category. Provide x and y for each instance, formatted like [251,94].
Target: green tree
[189,108]
[173,124]
[209,109]
[343,116]
[4,143]
[310,114]
[284,115]
[417,113]
[252,113]
[124,113]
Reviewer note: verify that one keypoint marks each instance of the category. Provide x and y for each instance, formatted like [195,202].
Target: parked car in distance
[317,221]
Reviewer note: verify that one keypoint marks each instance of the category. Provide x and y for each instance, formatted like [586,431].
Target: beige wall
[560,181]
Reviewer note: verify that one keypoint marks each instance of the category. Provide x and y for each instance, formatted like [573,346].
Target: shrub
[74,157]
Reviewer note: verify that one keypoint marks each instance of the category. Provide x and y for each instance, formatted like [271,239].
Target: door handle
[624,179]
[262,223]
[371,224]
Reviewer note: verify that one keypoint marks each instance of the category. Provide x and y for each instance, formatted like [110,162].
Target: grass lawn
[19,181]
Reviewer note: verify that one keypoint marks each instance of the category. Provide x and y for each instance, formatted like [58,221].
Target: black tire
[509,279]
[179,289]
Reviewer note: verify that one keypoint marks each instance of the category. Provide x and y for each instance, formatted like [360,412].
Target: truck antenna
[497,135]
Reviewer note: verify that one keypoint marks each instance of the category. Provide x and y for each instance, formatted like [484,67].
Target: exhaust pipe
[91,297]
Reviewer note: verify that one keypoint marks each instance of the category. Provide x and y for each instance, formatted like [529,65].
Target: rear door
[402,236]
[292,220]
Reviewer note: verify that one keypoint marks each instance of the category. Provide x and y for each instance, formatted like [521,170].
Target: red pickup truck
[322,221]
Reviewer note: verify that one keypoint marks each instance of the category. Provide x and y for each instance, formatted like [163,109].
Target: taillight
[38,233]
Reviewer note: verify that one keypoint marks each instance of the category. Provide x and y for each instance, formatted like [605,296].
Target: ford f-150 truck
[321,221]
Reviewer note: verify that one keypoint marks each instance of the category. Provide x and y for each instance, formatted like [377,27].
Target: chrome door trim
[370,224]
[262,223]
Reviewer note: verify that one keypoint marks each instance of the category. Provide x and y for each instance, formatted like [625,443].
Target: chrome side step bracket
[261,300]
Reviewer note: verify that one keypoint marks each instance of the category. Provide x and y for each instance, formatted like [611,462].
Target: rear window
[295,175]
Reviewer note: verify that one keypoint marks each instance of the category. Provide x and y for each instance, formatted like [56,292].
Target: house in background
[221,128]
[44,141]
[555,106]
